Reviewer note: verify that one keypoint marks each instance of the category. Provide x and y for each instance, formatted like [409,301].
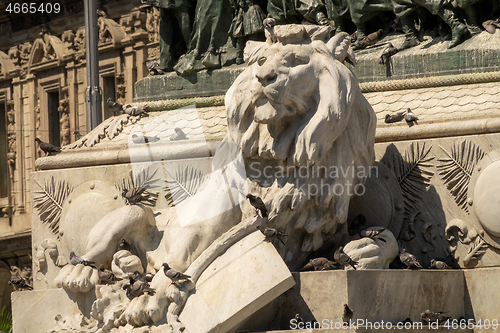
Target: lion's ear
[339,46]
[252,50]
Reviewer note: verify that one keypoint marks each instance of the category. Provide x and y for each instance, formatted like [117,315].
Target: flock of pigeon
[138,283]
[117,109]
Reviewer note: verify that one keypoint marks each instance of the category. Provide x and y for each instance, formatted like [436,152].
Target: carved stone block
[253,270]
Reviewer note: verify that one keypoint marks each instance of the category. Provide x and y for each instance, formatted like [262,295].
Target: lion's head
[297,107]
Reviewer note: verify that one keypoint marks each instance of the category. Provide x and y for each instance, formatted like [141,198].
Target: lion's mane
[324,121]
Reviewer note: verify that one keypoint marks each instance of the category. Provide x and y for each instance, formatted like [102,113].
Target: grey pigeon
[18,281]
[144,139]
[271,233]
[106,276]
[395,117]
[344,259]
[258,204]
[436,264]
[430,316]
[133,195]
[347,315]
[77,134]
[330,266]
[133,110]
[74,260]
[173,275]
[269,24]
[371,39]
[388,52]
[136,288]
[491,25]
[315,264]
[298,318]
[47,148]
[410,116]
[372,233]
[409,259]
[356,223]
[124,245]
[145,277]
[114,106]
[178,135]
[154,67]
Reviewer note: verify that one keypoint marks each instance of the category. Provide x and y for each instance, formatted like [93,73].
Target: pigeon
[408,320]
[395,117]
[409,259]
[347,315]
[410,116]
[271,233]
[269,24]
[106,276]
[143,139]
[173,275]
[388,52]
[77,134]
[356,223]
[430,316]
[136,288]
[258,204]
[396,25]
[491,25]
[133,110]
[369,40]
[145,277]
[124,245]
[178,135]
[47,148]
[18,281]
[298,318]
[436,264]
[114,106]
[330,266]
[154,67]
[372,233]
[315,264]
[443,30]
[343,259]
[354,37]
[133,195]
[74,260]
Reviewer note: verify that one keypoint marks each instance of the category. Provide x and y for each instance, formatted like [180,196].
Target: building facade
[42,94]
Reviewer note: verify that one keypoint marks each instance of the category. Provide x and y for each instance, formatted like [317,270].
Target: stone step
[373,295]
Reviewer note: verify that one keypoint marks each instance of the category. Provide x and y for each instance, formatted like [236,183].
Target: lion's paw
[79,278]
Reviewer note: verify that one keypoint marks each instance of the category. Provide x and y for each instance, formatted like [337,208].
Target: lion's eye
[261,61]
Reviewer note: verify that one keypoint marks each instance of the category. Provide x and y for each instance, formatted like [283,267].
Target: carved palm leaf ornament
[183,183]
[456,169]
[146,178]
[49,201]
[414,173]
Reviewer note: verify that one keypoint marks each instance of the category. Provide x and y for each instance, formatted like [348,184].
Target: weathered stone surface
[34,311]
[245,278]
[482,286]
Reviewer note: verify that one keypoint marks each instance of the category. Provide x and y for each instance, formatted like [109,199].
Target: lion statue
[306,132]
[300,135]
